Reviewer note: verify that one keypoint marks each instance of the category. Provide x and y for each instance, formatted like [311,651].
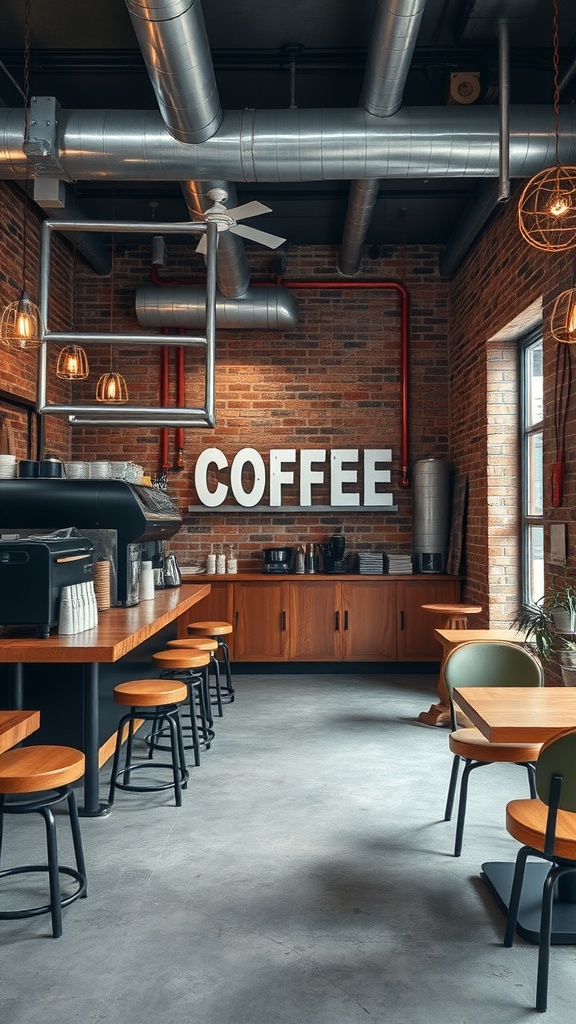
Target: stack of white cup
[78,610]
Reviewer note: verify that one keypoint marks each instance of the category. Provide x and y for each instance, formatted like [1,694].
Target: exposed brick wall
[331,383]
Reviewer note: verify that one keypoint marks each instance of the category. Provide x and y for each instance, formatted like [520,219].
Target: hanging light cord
[26,94]
[556,62]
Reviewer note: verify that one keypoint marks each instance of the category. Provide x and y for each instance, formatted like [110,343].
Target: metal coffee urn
[430,515]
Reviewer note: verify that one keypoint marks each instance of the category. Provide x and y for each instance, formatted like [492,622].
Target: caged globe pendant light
[547,207]
[20,322]
[563,317]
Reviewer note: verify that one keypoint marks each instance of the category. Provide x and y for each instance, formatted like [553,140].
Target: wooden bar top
[518,714]
[119,631]
[16,726]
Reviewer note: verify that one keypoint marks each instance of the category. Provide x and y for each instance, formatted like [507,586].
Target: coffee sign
[355,479]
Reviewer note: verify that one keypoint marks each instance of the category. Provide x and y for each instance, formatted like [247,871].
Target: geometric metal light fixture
[20,322]
[547,206]
[111,387]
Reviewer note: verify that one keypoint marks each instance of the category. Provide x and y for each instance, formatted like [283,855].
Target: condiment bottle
[232,559]
[300,559]
[220,560]
[211,563]
[146,582]
[311,558]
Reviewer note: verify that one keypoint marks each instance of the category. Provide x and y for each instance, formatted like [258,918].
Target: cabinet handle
[337,617]
[283,621]
[401,620]
[236,617]
[346,619]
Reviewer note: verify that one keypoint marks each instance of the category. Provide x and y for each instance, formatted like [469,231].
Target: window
[531,423]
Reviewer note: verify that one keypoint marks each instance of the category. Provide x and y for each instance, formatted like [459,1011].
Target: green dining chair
[546,826]
[485,663]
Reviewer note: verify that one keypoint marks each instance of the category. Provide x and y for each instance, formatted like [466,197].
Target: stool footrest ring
[65,901]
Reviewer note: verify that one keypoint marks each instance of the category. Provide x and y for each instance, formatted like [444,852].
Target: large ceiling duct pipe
[172,37]
[264,308]
[233,274]
[395,30]
[301,145]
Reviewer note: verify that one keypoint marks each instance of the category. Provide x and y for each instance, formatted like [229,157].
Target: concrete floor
[306,880]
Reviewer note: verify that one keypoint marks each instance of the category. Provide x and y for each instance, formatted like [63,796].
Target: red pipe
[404,330]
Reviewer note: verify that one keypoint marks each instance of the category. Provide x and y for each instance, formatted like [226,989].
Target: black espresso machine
[32,574]
[136,513]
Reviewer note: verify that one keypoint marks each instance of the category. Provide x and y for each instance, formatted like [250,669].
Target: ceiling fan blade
[253,209]
[254,235]
[202,246]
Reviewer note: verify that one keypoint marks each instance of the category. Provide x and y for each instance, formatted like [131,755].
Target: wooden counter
[15,726]
[119,631]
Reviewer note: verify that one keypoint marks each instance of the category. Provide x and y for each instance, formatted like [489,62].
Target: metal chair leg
[53,873]
[452,787]
[469,766]
[516,892]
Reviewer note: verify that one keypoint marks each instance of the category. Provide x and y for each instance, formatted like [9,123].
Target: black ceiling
[86,55]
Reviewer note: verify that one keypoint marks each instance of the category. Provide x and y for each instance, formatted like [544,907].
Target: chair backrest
[558,757]
[491,663]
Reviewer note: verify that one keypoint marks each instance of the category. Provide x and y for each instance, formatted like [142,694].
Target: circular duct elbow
[269,308]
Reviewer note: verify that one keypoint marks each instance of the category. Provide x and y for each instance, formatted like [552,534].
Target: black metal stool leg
[228,692]
[77,838]
[53,873]
[215,664]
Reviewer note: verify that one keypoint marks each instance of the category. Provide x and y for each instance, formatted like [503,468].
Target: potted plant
[549,628]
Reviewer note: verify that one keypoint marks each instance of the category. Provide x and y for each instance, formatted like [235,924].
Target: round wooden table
[450,616]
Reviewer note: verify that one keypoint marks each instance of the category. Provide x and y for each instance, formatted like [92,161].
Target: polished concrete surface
[307,879]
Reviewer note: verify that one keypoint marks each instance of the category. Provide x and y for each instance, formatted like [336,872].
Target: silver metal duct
[233,271]
[301,145]
[174,44]
[396,25]
[94,250]
[263,308]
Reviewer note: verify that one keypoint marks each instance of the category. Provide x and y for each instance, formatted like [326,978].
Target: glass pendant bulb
[563,318]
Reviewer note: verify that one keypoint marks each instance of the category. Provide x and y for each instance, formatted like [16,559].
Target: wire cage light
[72,363]
[112,389]
[563,317]
[547,206]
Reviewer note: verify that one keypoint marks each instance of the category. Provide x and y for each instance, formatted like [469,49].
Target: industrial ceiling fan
[227,220]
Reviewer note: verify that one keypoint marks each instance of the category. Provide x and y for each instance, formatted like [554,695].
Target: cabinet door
[368,621]
[260,619]
[315,621]
[216,607]
[416,639]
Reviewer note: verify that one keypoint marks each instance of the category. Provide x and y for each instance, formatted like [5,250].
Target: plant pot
[563,620]
[568,675]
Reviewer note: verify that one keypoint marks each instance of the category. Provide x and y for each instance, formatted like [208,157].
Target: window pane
[534,563]
[534,386]
[534,488]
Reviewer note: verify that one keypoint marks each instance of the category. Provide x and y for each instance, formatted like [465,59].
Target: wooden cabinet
[416,639]
[320,618]
[315,620]
[260,621]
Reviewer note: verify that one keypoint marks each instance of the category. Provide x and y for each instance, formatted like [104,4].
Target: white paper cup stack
[7,466]
[102,585]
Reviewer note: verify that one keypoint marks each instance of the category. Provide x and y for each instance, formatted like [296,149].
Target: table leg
[92,808]
[438,714]
[17,686]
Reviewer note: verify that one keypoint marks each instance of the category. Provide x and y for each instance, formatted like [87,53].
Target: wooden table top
[119,631]
[16,726]
[517,714]
[452,637]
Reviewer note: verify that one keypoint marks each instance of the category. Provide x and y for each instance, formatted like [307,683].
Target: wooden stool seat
[209,628]
[194,643]
[49,770]
[453,616]
[186,658]
[146,693]
[35,769]
[156,701]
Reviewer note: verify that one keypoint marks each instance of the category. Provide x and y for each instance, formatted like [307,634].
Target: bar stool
[204,643]
[49,771]
[451,616]
[151,700]
[189,667]
[217,631]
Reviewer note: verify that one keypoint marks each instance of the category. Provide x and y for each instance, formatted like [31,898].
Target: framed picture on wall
[457,525]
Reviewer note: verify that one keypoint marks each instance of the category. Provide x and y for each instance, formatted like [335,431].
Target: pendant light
[547,207]
[112,388]
[563,318]
[20,322]
[72,359]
